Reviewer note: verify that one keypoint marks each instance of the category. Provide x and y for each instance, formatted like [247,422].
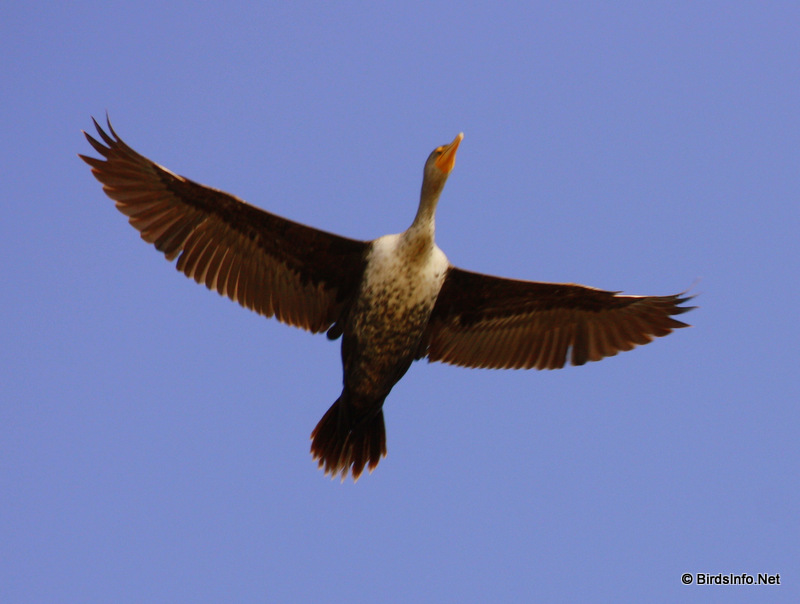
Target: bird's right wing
[485,321]
[264,262]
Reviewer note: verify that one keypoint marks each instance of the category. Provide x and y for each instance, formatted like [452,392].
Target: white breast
[401,276]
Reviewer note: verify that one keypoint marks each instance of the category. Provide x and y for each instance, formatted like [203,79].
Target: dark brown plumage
[395,299]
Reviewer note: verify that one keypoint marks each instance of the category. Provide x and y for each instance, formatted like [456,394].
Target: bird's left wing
[485,321]
[266,263]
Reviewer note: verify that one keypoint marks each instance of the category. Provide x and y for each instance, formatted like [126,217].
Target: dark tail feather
[344,441]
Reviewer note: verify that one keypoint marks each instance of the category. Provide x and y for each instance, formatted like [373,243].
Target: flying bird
[392,300]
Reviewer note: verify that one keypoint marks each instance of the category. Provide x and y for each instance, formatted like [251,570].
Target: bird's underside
[314,280]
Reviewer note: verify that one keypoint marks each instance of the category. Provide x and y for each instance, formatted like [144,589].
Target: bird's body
[391,311]
[394,300]
[382,333]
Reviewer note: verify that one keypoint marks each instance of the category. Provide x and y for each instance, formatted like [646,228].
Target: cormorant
[394,300]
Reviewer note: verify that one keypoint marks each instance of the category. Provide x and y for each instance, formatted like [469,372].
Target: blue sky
[154,436]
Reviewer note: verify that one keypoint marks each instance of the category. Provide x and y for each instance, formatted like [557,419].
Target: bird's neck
[420,235]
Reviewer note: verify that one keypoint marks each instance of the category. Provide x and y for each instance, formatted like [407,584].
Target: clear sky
[154,436]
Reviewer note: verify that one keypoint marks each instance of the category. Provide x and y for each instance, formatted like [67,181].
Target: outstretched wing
[264,262]
[485,321]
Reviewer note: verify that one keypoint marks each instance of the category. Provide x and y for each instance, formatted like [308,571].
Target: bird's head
[444,158]
[439,165]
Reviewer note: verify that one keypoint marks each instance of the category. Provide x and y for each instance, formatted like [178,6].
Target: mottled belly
[384,328]
[381,343]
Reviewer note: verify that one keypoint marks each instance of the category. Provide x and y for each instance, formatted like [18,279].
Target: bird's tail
[345,440]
